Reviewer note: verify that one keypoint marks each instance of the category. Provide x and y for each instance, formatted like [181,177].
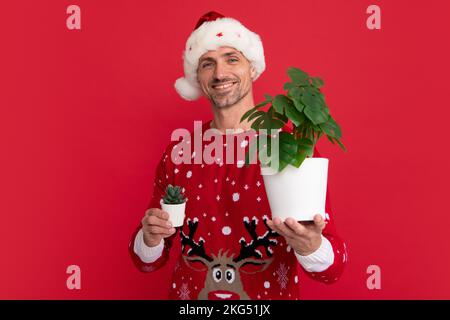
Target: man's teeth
[224,86]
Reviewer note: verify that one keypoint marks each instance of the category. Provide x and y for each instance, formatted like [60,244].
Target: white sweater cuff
[320,259]
[145,253]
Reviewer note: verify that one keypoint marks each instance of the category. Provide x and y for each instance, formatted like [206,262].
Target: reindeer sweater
[228,252]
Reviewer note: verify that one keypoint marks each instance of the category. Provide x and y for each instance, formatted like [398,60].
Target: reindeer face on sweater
[223,279]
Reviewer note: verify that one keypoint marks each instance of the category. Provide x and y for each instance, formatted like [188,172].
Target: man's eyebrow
[226,54]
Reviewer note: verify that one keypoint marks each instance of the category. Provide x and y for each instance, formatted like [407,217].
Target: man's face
[225,76]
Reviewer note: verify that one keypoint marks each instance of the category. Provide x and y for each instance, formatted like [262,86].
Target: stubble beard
[227,100]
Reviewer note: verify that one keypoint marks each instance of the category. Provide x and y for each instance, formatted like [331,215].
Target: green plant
[173,195]
[304,106]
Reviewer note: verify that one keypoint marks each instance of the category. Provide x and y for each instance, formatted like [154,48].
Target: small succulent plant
[173,195]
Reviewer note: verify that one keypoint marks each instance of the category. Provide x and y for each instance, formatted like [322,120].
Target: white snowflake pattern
[218,198]
[240,163]
[176,170]
[215,180]
[258,183]
[282,275]
[246,187]
[244,143]
[184,292]
[233,183]
[200,186]
[189,174]
[198,197]
[235,196]
[226,230]
[258,199]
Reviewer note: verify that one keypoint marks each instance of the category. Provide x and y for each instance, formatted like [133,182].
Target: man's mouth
[222,295]
[223,86]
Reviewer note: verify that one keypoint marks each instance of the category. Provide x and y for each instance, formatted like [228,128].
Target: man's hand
[156,226]
[303,237]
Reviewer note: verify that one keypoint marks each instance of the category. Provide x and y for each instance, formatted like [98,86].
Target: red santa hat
[212,31]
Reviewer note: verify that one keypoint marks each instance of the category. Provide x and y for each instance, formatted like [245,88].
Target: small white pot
[176,212]
[299,193]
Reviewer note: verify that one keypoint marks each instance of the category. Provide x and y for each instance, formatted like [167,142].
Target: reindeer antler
[197,248]
[250,249]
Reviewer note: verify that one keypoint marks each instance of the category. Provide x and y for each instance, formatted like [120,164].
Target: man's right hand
[156,226]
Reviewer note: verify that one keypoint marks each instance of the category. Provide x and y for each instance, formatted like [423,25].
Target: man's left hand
[304,237]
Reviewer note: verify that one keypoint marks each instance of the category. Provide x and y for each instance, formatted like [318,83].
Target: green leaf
[256,124]
[299,158]
[305,146]
[331,128]
[339,143]
[309,99]
[288,144]
[289,85]
[254,109]
[281,117]
[268,97]
[317,82]
[297,76]
[298,105]
[295,92]
[295,116]
[268,121]
[256,114]
[249,113]
[280,102]
[316,115]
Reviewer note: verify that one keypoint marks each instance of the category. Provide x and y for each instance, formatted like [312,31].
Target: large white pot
[299,193]
[176,212]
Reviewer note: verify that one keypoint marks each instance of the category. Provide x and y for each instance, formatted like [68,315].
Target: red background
[85,115]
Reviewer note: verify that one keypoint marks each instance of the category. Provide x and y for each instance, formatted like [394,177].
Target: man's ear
[252,72]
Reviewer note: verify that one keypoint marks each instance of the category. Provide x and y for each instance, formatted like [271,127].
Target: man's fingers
[296,227]
[319,222]
[282,228]
[157,213]
[156,221]
[160,231]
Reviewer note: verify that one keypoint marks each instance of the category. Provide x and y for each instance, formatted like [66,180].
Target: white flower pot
[299,193]
[175,211]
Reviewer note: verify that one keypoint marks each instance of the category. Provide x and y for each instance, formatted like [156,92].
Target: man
[231,249]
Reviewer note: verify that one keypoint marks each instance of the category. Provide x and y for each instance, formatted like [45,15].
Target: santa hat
[212,31]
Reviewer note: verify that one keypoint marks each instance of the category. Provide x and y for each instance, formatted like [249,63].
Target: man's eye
[234,59]
[206,64]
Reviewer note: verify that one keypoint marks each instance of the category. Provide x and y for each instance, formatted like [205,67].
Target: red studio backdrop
[86,114]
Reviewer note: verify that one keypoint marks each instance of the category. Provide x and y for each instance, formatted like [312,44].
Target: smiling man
[230,247]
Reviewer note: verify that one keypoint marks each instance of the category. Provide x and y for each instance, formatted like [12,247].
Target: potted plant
[174,203]
[296,186]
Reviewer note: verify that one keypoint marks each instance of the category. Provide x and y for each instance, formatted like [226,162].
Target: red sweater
[227,249]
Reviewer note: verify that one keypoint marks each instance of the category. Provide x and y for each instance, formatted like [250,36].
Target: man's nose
[220,71]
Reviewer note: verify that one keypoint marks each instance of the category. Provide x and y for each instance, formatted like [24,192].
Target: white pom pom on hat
[212,31]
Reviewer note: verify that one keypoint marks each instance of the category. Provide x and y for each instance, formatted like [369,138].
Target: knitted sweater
[228,252]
